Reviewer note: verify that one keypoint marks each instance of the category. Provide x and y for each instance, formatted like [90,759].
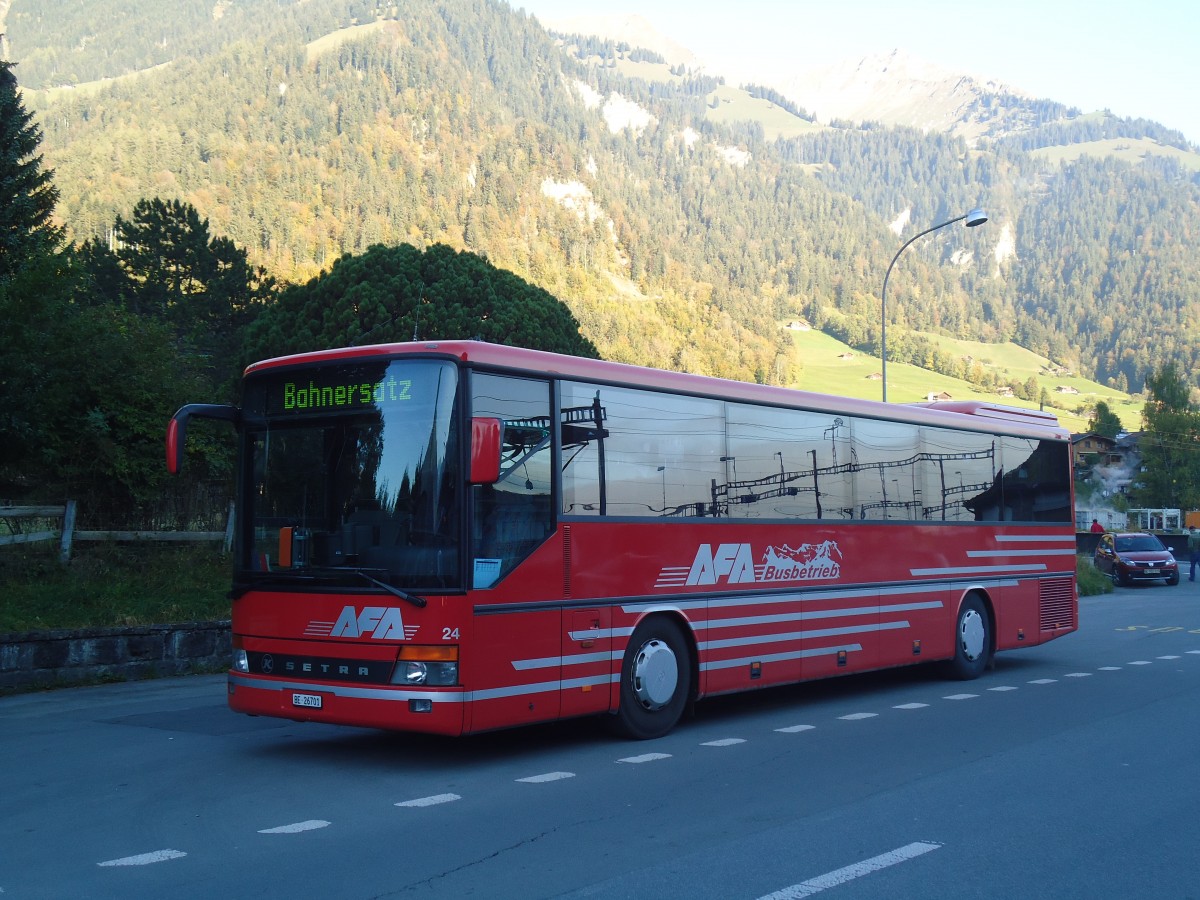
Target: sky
[1137,59]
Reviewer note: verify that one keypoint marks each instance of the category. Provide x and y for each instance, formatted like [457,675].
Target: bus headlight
[431,673]
[241,663]
[426,666]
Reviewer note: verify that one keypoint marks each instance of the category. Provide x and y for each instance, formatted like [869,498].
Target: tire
[1174,579]
[1116,577]
[972,641]
[656,680]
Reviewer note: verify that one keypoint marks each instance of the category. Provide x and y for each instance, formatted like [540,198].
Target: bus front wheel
[656,680]
[972,640]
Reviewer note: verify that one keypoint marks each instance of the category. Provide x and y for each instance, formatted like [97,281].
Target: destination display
[337,389]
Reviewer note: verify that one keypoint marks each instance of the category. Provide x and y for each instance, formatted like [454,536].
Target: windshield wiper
[392,589]
[319,574]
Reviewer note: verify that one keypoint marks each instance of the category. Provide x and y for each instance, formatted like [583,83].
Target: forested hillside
[306,130]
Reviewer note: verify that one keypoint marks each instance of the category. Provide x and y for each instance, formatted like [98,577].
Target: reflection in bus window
[1035,487]
[639,453]
[513,516]
[960,469]
[886,465]
[787,464]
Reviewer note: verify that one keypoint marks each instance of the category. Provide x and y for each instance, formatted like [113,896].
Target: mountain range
[685,221]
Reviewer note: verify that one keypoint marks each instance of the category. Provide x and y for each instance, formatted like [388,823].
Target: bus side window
[511,518]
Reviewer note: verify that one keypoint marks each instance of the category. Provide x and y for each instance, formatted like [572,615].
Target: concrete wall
[32,660]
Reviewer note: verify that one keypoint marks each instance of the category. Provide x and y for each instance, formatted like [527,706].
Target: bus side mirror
[486,436]
[177,428]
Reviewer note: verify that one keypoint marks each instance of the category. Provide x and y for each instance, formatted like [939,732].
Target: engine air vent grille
[1056,604]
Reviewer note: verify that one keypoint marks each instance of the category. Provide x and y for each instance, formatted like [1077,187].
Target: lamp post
[974,217]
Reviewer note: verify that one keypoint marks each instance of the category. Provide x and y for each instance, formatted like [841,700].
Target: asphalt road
[1070,770]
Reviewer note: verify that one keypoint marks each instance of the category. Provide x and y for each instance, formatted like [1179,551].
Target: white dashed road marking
[296,827]
[645,757]
[1043,681]
[1110,668]
[724,742]
[961,697]
[430,801]
[795,729]
[1003,687]
[145,859]
[1078,675]
[849,873]
[1141,662]
[854,717]
[911,706]
[549,776]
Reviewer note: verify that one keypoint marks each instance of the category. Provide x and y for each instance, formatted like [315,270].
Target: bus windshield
[352,470]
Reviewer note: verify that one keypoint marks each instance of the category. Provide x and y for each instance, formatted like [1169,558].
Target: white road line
[645,757]
[849,873]
[1043,681]
[1141,662]
[724,742]
[1110,668]
[795,729]
[1195,652]
[145,859]
[911,706]
[1003,687]
[1167,657]
[961,697]
[549,776]
[430,801]
[296,827]
[1078,675]
[854,717]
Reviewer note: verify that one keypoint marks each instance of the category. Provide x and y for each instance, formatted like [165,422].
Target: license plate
[1148,572]
[312,701]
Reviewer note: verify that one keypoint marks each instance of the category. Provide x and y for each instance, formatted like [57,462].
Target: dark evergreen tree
[202,287]
[27,192]
[1104,421]
[401,294]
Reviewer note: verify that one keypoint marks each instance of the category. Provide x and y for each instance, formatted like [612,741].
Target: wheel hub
[972,635]
[655,675]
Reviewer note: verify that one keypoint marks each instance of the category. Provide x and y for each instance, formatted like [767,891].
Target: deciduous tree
[1170,444]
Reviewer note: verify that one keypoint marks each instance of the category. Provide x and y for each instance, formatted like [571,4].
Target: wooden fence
[67,533]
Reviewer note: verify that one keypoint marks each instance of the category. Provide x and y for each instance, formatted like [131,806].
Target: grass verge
[1091,580]
[111,584]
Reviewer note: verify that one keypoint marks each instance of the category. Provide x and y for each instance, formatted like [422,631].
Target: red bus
[456,536]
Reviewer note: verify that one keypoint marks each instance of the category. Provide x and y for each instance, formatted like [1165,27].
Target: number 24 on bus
[458,536]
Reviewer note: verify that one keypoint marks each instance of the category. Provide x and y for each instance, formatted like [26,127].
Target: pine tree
[27,193]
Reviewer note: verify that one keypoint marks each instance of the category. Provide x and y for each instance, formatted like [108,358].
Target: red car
[1135,556]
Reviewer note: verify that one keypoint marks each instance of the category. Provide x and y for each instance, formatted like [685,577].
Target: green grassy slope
[831,367]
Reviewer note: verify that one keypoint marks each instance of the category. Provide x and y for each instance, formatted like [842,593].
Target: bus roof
[996,417]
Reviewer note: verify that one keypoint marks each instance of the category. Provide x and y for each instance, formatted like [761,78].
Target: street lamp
[974,217]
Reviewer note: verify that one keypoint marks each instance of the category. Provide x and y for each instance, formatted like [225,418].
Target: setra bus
[457,536]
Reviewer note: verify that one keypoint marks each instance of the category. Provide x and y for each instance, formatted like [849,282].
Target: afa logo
[376,622]
[736,564]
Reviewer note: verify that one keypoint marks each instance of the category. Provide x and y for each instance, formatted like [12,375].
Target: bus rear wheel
[972,641]
[656,680]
